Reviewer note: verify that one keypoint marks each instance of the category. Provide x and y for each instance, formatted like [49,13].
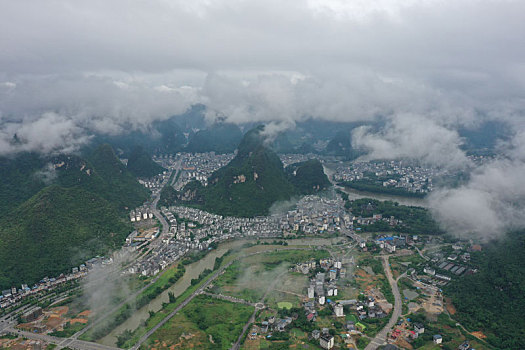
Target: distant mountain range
[72,208]
[219,138]
[253,181]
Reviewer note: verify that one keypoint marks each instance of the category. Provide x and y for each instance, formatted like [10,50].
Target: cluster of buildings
[155,183]
[190,223]
[444,268]
[13,296]
[316,215]
[139,214]
[395,173]
[292,158]
[364,221]
[198,166]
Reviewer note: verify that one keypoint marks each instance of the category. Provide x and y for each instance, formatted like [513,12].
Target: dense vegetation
[415,220]
[220,138]
[308,177]
[493,299]
[222,322]
[21,177]
[251,182]
[375,186]
[141,164]
[121,186]
[57,228]
[75,211]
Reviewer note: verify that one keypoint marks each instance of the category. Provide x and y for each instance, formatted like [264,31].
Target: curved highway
[380,338]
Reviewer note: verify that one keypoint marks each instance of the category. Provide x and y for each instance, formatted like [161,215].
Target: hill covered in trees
[415,220]
[308,177]
[251,182]
[341,145]
[141,164]
[75,208]
[55,229]
[493,299]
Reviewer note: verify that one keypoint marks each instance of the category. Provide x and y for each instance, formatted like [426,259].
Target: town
[344,298]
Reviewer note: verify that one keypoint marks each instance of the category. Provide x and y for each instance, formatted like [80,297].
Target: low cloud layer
[109,67]
[492,202]
[412,136]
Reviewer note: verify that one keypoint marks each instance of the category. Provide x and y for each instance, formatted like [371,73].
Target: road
[181,306]
[380,338]
[199,291]
[237,344]
[61,342]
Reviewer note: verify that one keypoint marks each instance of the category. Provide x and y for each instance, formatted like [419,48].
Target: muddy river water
[193,271]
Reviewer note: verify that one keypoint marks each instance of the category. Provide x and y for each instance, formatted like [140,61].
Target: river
[355,194]
[193,271]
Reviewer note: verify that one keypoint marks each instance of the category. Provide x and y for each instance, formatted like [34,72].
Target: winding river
[193,271]
[355,194]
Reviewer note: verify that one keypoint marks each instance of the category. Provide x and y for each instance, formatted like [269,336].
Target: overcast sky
[69,68]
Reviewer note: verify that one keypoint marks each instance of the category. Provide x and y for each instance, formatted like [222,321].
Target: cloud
[112,65]
[47,134]
[412,136]
[53,113]
[492,202]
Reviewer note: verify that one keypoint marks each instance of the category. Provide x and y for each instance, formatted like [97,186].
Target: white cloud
[412,136]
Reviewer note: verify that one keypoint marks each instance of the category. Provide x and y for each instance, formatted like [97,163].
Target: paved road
[182,305]
[380,338]
[61,342]
[199,291]
[109,312]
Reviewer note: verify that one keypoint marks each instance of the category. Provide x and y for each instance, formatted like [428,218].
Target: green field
[216,328]
[248,278]
[284,305]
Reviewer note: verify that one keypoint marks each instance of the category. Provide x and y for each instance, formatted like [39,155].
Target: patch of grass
[284,305]
[216,328]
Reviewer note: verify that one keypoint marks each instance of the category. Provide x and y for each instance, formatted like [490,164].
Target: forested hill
[308,177]
[141,164]
[122,186]
[54,230]
[72,208]
[493,299]
[251,182]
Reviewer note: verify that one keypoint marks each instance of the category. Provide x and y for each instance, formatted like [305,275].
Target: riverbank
[193,271]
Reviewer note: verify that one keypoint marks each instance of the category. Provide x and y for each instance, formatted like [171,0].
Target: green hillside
[54,230]
[122,187]
[341,145]
[251,183]
[308,177]
[61,210]
[493,299]
[141,164]
[19,180]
